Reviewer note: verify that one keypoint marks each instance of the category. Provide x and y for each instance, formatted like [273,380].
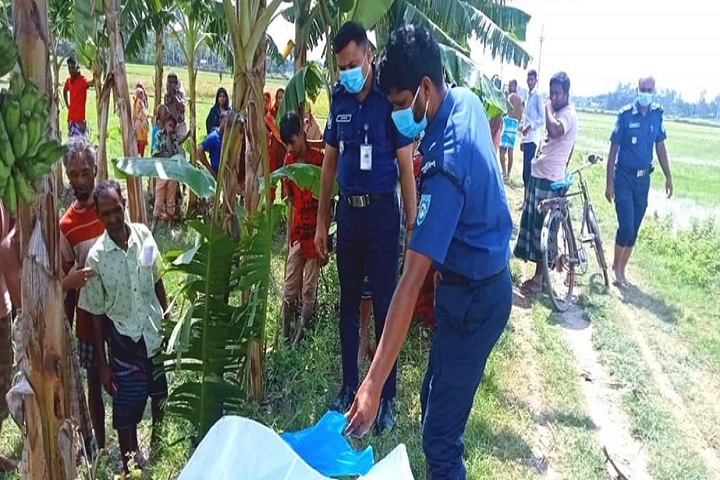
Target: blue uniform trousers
[471,316]
[367,245]
[529,150]
[631,200]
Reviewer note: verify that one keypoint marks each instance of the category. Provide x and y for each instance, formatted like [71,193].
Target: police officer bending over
[639,127]
[463,227]
[363,150]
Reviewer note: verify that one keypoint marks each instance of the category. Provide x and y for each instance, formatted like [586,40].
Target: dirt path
[603,400]
[683,419]
[543,442]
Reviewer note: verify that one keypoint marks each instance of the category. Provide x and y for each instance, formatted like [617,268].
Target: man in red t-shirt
[79,228]
[77,86]
[303,265]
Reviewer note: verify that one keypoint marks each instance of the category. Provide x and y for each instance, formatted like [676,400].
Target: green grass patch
[577,452]
[670,454]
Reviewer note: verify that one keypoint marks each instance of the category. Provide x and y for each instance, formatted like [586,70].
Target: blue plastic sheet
[325,449]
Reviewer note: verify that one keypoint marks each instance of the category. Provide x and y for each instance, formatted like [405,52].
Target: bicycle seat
[563,184]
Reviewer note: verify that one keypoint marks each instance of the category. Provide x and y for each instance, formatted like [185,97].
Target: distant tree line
[672,102]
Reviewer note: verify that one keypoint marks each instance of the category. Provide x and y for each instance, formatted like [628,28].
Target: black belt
[636,172]
[452,278]
[362,201]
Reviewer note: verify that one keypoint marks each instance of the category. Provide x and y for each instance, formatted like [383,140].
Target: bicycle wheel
[559,258]
[594,229]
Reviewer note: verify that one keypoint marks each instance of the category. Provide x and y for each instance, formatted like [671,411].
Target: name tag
[634,125]
[365,157]
[344,118]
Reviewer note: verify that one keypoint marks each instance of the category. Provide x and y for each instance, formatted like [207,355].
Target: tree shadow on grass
[632,295]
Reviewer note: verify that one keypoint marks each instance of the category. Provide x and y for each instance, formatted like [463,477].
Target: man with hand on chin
[463,228]
[639,127]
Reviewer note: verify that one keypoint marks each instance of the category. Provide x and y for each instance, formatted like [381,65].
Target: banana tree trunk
[122,102]
[102,105]
[192,128]
[159,51]
[42,352]
[103,96]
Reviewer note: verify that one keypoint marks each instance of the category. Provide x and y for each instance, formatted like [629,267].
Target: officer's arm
[661,151]
[441,204]
[612,155]
[327,181]
[407,184]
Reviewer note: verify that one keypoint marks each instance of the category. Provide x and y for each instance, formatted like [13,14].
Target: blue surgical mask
[405,119]
[644,99]
[353,79]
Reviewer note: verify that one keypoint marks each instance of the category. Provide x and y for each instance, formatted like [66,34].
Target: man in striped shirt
[79,228]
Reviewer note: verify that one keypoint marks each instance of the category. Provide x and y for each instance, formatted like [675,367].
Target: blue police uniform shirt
[213,146]
[348,123]
[463,221]
[636,135]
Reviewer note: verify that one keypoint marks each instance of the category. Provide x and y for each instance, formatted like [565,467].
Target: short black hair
[532,73]
[104,187]
[350,32]
[561,79]
[71,61]
[290,125]
[411,54]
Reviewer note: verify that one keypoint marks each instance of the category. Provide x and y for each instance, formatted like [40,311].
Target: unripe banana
[4,172]
[11,116]
[41,107]
[22,188]
[15,85]
[9,197]
[6,151]
[20,141]
[29,97]
[34,130]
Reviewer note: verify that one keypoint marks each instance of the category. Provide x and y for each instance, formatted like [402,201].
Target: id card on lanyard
[366,152]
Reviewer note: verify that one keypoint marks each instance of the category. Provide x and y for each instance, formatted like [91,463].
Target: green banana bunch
[26,152]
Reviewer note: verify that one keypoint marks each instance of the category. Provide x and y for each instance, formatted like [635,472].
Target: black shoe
[385,420]
[344,400]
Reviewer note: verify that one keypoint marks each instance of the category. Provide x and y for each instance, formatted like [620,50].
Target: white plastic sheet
[237,448]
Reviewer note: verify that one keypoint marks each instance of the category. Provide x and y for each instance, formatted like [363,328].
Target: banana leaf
[177,168]
[209,342]
[463,71]
[368,13]
[303,175]
[306,84]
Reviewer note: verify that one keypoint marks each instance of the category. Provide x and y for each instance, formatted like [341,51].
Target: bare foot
[530,286]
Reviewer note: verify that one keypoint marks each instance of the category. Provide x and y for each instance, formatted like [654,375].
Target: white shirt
[534,115]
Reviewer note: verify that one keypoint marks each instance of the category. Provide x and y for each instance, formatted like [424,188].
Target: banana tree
[61,21]
[42,348]
[192,19]
[118,74]
[91,49]
[141,18]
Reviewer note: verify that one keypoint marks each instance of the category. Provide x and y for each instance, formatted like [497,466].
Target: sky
[599,43]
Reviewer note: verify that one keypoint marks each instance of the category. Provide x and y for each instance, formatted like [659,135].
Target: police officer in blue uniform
[463,228]
[638,129]
[364,150]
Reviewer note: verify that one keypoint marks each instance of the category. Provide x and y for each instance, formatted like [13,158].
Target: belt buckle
[359,201]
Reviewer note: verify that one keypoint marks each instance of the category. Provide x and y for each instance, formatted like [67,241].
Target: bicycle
[562,253]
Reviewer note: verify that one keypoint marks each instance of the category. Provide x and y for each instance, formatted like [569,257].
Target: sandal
[528,287]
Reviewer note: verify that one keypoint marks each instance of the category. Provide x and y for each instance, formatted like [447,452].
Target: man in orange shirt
[77,86]
[79,228]
[303,265]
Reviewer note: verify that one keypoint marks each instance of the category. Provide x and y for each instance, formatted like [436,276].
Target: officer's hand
[321,244]
[610,192]
[525,130]
[364,410]
[669,187]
